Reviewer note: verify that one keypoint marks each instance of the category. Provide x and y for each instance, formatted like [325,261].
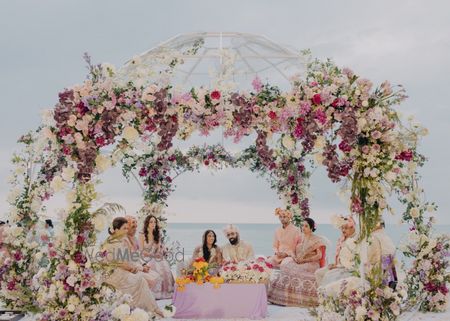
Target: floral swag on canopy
[331,118]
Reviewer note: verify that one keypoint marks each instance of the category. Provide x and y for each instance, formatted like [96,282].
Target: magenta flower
[345,147]
[215,95]
[80,239]
[406,155]
[316,99]
[143,172]
[357,206]
[11,285]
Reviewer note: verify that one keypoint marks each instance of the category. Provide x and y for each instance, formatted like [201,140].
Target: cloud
[406,43]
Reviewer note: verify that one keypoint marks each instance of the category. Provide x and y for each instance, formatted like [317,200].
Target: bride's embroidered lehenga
[295,285]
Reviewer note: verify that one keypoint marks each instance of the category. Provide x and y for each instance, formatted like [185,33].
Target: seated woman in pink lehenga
[295,285]
[127,276]
[154,252]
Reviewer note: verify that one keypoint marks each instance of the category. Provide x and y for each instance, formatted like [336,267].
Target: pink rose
[376,134]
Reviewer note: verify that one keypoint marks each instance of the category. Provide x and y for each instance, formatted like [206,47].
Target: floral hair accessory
[278,211]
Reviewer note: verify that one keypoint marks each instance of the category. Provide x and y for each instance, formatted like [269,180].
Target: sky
[408,43]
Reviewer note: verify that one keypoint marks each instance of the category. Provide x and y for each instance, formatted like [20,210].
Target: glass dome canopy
[215,59]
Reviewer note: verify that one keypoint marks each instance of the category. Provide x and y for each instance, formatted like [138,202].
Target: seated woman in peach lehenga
[295,285]
[127,277]
[154,251]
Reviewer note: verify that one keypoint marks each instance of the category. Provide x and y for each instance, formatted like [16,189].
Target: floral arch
[330,117]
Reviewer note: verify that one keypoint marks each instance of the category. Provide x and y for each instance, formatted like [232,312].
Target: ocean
[260,236]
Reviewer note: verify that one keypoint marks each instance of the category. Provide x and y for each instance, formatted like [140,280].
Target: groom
[237,250]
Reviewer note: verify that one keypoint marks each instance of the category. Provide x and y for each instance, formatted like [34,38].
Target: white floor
[276,313]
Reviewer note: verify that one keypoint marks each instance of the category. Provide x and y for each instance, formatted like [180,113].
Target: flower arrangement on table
[199,274]
[254,271]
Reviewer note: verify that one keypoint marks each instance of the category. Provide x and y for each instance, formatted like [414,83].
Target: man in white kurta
[346,252]
[237,250]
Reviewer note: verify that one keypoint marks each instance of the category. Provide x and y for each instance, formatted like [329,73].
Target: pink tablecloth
[228,301]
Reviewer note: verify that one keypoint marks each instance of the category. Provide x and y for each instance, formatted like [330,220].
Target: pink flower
[215,95]
[320,116]
[316,99]
[257,84]
[305,107]
[357,206]
[376,134]
[338,102]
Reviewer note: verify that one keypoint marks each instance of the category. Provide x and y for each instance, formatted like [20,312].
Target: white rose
[48,134]
[360,313]
[68,174]
[139,315]
[57,183]
[71,308]
[319,158]
[13,195]
[71,197]
[430,208]
[38,256]
[100,222]
[414,212]
[320,142]
[121,311]
[365,103]
[71,280]
[130,134]
[362,122]
[72,266]
[16,231]
[390,176]
[47,117]
[288,142]
[102,163]
[36,205]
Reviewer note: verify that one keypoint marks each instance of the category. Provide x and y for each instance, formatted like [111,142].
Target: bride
[296,285]
[126,276]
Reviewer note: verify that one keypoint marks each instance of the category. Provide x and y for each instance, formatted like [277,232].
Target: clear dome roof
[215,59]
